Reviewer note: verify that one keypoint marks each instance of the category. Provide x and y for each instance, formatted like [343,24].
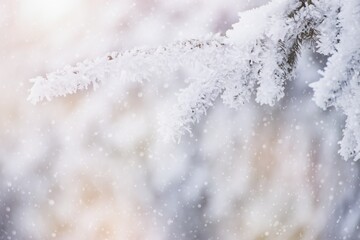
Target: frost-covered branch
[138,65]
[258,56]
[340,82]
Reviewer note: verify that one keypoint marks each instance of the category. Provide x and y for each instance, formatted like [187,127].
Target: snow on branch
[140,63]
[257,57]
[340,83]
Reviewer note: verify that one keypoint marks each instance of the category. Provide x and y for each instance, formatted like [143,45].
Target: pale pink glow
[46,13]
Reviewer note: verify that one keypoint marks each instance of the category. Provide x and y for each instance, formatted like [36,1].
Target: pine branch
[258,56]
[93,72]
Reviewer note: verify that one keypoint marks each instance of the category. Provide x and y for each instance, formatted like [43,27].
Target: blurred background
[91,166]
